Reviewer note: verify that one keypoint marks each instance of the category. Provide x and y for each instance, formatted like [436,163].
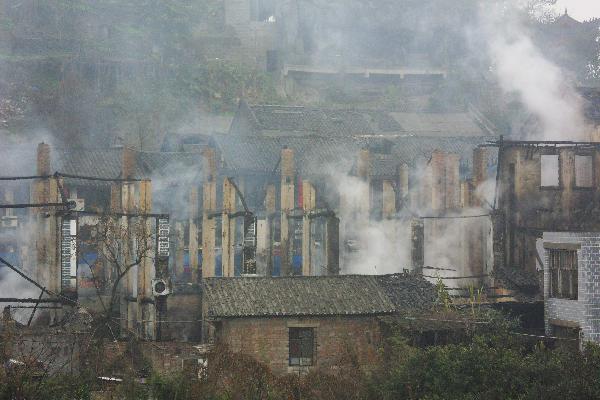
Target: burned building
[378,170]
[289,191]
[547,226]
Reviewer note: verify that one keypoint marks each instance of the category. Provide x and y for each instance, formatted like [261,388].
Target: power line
[456,216]
[68,204]
[28,279]
[455,277]
[23,178]
[71,176]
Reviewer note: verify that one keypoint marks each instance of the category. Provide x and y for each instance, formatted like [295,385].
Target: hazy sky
[580,9]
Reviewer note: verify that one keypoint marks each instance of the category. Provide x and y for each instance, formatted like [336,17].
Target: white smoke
[521,68]
[369,246]
[14,286]
[454,247]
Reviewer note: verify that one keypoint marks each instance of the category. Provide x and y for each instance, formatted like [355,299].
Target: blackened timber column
[45,190]
[308,205]
[228,229]
[193,233]
[128,306]
[403,186]
[146,315]
[417,249]
[480,158]
[287,207]
[271,210]
[209,205]
[389,200]
[364,173]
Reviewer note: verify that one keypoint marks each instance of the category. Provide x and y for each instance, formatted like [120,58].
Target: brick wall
[267,339]
[585,311]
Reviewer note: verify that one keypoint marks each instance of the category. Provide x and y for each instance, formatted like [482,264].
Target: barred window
[562,265]
[302,346]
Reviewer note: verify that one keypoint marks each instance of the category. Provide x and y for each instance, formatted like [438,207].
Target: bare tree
[122,243]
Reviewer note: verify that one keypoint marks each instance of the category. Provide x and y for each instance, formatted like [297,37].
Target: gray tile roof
[315,295]
[440,124]
[314,154]
[261,154]
[292,120]
[104,163]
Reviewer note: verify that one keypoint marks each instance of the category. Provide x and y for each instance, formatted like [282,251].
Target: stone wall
[585,311]
[268,339]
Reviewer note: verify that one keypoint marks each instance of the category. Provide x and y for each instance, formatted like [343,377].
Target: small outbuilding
[295,324]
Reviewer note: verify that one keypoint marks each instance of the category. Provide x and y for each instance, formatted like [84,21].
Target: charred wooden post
[364,171]
[46,242]
[480,158]
[389,200]
[179,250]
[417,249]
[452,182]
[129,308]
[332,244]
[287,207]
[146,312]
[228,229]
[308,205]
[465,194]
[403,186]
[209,205]
[270,207]
[193,233]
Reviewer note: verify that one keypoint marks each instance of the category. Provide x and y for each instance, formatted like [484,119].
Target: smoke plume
[520,68]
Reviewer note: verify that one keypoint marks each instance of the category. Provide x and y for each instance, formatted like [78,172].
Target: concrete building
[299,324]
[571,275]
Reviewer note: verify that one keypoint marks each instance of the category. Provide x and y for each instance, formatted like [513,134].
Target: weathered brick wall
[585,311]
[267,339]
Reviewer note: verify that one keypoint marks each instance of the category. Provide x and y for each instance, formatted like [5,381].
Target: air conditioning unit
[160,287]
[9,221]
[79,204]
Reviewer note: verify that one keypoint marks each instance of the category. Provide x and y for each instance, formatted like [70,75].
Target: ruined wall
[546,187]
[268,340]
